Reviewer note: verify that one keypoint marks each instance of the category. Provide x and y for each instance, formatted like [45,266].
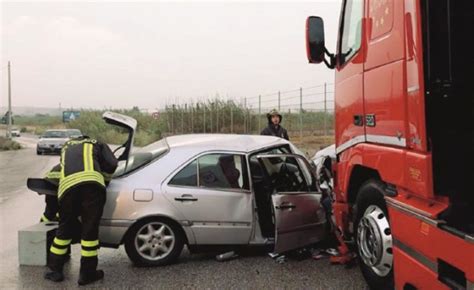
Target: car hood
[127,123]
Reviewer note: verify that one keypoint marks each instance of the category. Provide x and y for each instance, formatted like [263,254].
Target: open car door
[299,217]
[127,123]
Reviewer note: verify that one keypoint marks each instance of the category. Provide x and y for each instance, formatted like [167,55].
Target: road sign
[69,116]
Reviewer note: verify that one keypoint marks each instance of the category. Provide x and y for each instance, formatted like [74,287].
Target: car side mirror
[315,44]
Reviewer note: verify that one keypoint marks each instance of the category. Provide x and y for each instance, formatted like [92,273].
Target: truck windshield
[351,29]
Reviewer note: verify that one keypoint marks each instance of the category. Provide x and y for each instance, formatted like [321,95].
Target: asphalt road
[20,208]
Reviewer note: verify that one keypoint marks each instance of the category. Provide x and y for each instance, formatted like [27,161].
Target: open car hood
[127,123]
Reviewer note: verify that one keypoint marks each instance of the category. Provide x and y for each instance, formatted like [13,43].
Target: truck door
[298,214]
[384,94]
[349,77]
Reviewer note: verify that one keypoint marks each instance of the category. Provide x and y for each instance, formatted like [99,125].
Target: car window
[55,134]
[288,174]
[224,171]
[186,176]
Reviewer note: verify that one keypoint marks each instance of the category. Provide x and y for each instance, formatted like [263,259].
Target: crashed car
[209,190]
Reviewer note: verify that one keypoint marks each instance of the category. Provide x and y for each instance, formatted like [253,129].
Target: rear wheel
[373,236]
[38,152]
[154,242]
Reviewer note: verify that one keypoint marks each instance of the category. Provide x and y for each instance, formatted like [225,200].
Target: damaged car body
[209,190]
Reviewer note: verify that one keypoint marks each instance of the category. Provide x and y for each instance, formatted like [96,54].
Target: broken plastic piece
[226,256]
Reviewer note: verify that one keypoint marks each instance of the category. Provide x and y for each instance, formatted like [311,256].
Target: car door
[212,193]
[298,213]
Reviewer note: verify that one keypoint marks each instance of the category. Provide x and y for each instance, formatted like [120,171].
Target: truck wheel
[154,242]
[373,236]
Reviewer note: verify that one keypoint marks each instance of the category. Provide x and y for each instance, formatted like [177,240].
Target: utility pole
[325,111]
[9,128]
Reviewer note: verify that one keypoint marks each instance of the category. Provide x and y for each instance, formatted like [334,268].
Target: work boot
[90,277]
[54,276]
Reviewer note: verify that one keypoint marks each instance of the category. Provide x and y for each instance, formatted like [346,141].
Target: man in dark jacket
[86,166]
[274,128]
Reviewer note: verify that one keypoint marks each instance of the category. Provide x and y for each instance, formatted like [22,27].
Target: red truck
[403,168]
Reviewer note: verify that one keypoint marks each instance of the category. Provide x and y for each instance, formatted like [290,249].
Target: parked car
[52,141]
[16,132]
[209,190]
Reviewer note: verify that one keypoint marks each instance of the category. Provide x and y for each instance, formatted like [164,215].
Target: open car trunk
[448,34]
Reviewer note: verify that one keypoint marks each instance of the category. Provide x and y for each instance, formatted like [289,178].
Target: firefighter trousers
[51,209]
[86,201]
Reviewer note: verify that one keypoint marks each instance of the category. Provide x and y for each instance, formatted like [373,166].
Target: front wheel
[154,242]
[373,236]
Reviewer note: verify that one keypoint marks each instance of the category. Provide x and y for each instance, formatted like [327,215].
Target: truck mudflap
[428,255]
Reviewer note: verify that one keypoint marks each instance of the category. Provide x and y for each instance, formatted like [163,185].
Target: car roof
[56,130]
[227,142]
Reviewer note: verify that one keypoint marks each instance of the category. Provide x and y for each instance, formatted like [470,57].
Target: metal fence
[305,111]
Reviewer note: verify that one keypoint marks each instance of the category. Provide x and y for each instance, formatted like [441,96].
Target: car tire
[38,152]
[373,236]
[154,242]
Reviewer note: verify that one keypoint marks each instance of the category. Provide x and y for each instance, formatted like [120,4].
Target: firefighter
[86,166]
[274,127]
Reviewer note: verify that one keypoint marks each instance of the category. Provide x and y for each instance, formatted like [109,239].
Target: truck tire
[154,242]
[373,236]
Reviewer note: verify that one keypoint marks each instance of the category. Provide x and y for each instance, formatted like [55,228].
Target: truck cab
[404,134]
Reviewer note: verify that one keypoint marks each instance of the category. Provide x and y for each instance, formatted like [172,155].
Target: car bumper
[50,149]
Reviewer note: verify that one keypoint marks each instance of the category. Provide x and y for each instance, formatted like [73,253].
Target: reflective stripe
[89,243]
[53,175]
[57,251]
[60,242]
[78,177]
[44,218]
[85,253]
[85,157]
[89,155]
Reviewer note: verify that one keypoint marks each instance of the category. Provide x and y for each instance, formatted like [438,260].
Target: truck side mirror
[315,39]
[315,46]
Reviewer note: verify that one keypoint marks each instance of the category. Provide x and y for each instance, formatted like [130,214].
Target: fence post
[325,111]
[231,120]
[301,114]
[245,115]
[172,120]
[182,117]
[204,109]
[192,118]
[279,101]
[259,110]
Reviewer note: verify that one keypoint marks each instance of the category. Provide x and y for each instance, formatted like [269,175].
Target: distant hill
[31,111]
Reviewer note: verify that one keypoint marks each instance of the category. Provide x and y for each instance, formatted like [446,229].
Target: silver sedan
[209,190]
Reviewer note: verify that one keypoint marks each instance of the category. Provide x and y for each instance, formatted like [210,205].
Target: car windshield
[143,156]
[74,133]
[55,134]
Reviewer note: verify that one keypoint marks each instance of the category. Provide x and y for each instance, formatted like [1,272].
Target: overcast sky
[147,54]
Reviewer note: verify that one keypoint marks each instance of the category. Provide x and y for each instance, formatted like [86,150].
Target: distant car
[209,190]
[16,132]
[52,141]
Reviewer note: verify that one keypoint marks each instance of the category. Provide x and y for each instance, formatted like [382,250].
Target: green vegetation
[7,144]
[213,116]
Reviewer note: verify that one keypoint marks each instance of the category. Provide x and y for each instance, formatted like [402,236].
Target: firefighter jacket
[85,160]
